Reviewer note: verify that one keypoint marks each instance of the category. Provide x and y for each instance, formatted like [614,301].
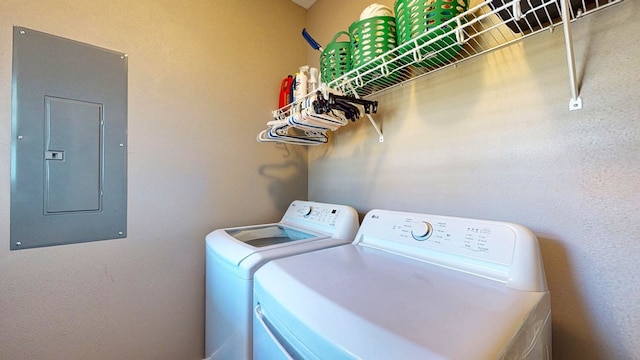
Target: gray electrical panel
[69,146]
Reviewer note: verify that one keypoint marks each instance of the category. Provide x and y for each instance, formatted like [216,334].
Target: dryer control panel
[491,249]
[438,235]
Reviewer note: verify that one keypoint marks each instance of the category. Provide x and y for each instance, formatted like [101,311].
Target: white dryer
[410,286]
[234,254]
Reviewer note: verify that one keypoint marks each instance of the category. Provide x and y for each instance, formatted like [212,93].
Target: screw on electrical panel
[22,32]
[20,137]
[120,233]
[19,243]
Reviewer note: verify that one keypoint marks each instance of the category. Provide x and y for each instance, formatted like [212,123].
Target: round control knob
[306,210]
[421,230]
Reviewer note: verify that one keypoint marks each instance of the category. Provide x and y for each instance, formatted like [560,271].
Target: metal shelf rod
[576,102]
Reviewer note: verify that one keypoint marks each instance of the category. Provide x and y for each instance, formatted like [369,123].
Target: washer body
[410,286]
[234,254]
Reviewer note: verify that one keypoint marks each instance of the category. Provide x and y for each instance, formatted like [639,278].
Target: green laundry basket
[417,17]
[370,38]
[335,59]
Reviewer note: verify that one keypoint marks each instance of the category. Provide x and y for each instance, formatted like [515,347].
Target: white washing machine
[410,286]
[234,254]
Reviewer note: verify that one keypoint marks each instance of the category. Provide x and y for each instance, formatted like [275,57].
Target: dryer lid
[354,301]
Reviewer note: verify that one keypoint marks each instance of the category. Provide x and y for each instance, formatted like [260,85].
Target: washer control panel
[433,236]
[332,219]
[319,214]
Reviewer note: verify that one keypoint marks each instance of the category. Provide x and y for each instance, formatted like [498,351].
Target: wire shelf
[488,26]
[485,27]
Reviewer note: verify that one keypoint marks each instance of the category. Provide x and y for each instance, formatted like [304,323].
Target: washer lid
[243,250]
[267,235]
[234,245]
[354,301]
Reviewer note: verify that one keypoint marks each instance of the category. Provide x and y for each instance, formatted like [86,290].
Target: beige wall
[493,138]
[203,77]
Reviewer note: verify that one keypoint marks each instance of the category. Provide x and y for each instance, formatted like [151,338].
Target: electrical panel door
[68,172]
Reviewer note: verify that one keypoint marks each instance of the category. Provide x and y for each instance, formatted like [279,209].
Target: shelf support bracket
[516,10]
[576,102]
[373,122]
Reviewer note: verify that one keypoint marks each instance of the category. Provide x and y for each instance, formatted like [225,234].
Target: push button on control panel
[421,230]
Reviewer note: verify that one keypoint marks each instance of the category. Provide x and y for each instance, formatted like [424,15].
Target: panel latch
[54,155]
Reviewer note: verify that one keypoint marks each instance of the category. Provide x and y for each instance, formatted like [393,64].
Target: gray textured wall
[198,96]
[493,138]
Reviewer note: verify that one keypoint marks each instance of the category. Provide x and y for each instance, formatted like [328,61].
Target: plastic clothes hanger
[368,105]
[309,120]
[306,121]
[281,131]
[264,136]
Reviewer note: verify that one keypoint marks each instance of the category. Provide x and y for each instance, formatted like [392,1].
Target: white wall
[203,78]
[493,138]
